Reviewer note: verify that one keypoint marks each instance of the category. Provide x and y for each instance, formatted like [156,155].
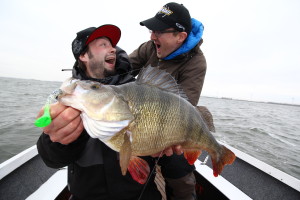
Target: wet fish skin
[163,120]
[155,117]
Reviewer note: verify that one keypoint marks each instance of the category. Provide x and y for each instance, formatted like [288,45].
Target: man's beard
[108,73]
[98,68]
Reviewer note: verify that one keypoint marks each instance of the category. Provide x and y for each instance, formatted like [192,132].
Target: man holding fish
[93,167]
[175,47]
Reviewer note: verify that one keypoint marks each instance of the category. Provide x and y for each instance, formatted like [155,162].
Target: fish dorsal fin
[161,79]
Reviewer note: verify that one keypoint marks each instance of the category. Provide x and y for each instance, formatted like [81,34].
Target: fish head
[98,101]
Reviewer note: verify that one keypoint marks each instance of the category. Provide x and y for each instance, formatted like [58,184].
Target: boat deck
[264,182]
[246,178]
[25,180]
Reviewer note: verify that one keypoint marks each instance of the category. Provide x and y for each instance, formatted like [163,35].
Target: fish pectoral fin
[139,169]
[125,154]
[191,155]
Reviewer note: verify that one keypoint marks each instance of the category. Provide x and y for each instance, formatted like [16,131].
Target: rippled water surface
[20,101]
[268,132]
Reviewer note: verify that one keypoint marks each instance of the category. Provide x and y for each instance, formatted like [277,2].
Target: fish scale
[152,109]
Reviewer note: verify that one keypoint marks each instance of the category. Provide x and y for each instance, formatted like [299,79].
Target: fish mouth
[67,88]
[64,93]
[58,94]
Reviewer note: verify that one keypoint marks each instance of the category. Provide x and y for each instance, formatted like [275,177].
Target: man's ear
[182,37]
[84,57]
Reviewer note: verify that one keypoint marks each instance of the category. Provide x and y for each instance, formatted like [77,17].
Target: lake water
[266,131]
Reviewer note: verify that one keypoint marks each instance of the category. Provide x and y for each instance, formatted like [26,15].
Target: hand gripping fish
[143,118]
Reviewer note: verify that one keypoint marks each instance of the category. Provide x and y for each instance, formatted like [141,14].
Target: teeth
[109,60]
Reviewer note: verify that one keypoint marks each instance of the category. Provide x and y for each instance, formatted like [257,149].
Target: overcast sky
[252,46]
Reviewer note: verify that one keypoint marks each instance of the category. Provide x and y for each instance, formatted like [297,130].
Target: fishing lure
[45,119]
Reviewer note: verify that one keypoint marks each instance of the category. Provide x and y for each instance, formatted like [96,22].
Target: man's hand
[169,151]
[66,125]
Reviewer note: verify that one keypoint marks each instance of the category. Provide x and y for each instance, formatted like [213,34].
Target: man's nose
[152,36]
[113,50]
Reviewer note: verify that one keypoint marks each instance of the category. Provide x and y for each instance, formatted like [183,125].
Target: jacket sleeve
[182,188]
[175,166]
[179,177]
[192,78]
[56,155]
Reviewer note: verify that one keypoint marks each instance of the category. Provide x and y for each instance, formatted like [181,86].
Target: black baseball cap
[86,36]
[171,15]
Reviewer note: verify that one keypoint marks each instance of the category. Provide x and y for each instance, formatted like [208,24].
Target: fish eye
[95,86]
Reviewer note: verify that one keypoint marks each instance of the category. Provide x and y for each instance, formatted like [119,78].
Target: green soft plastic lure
[45,119]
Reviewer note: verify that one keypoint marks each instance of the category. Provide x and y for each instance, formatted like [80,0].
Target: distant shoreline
[30,79]
[267,102]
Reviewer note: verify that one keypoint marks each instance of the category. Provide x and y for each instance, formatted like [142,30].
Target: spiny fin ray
[160,79]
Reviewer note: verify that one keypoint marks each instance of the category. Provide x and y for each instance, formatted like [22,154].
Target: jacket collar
[192,40]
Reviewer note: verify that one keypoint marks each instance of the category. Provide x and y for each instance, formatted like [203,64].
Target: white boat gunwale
[272,171]
[16,161]
[224,186]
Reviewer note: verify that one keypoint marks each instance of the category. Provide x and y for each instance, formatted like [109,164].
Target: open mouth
[110,60]
[157,46]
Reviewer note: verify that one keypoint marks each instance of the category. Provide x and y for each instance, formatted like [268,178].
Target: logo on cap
[180,26]
[165,11]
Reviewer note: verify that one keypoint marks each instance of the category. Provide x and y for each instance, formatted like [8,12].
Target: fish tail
[218,162]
